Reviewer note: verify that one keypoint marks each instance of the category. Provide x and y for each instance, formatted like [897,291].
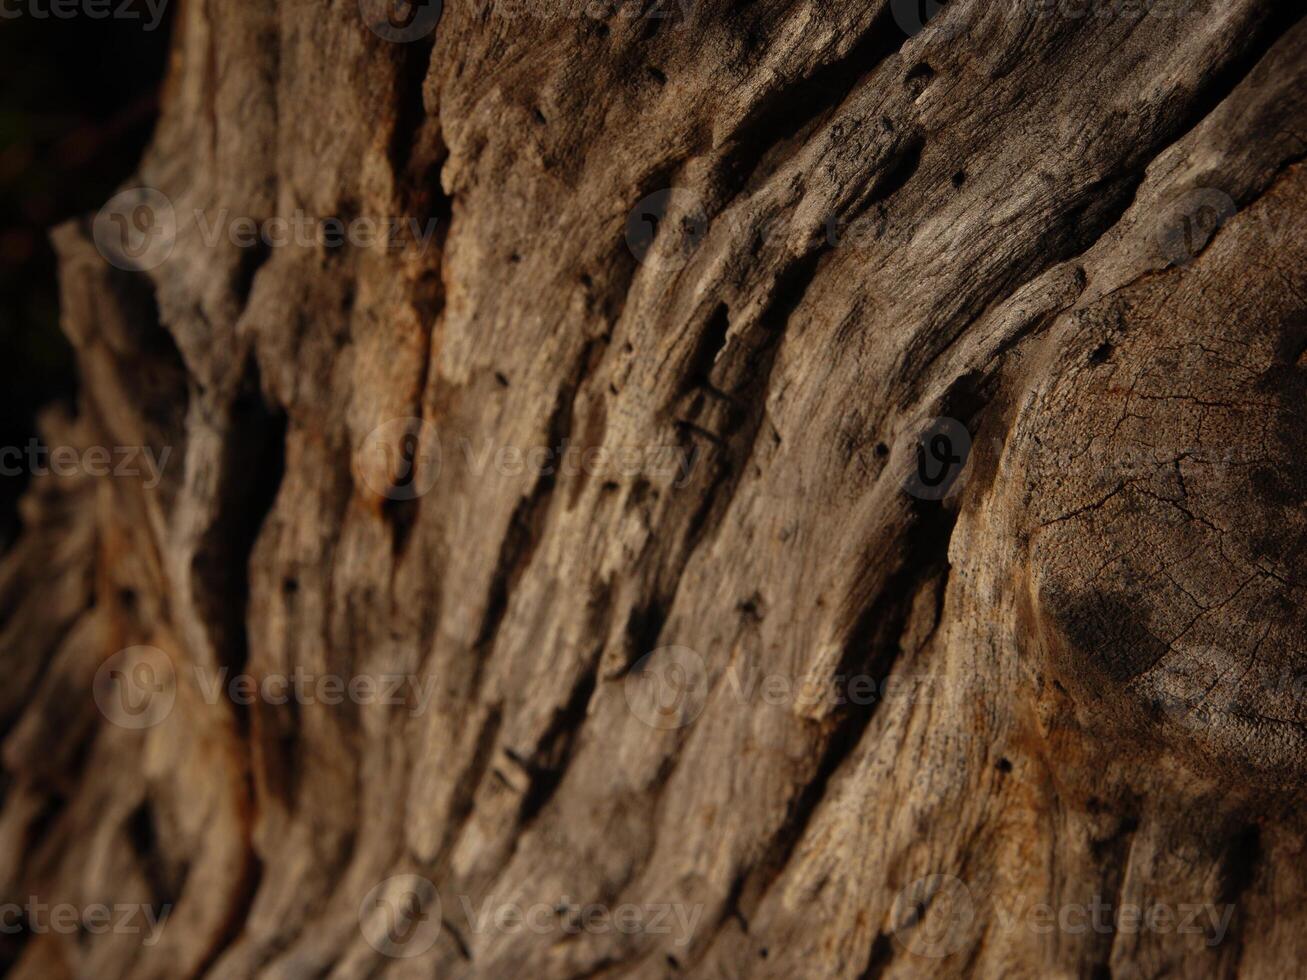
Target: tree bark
[830,484]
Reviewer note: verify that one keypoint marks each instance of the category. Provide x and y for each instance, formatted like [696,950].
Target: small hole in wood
[921,72]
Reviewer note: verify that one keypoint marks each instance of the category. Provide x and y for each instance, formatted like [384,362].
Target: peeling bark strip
[974,335]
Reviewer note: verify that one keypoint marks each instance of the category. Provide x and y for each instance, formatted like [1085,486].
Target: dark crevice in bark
[250,261]
[550,760]
[1238,873]
[464,950]
[744,382]
[644,626]
[464,796]
[410,110]
[528,519]
[782,115]
[237,918]
[278,733]
[1239,867]
[709,344]
[250,477]
[1112,855]
[878,960]
[872,650]
[900,168]
[165,883]
[1275,23]
[1104,203]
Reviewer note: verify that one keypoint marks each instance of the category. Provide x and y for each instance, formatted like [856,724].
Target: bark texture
[777,240]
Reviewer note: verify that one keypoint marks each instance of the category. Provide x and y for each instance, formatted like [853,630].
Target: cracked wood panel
[869,231]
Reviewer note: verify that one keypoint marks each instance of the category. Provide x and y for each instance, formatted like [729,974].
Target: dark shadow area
[78,102]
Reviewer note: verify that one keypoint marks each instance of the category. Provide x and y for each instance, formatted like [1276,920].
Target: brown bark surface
[936,555]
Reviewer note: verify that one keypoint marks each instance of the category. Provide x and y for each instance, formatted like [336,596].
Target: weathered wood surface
[1079,238]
